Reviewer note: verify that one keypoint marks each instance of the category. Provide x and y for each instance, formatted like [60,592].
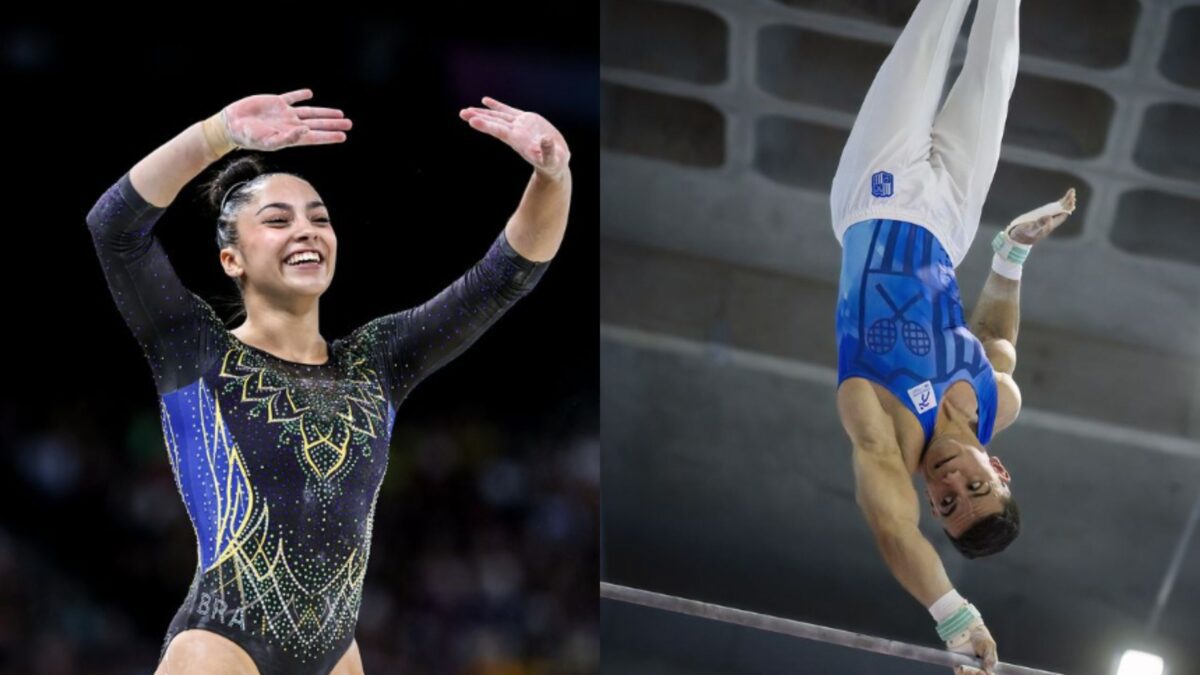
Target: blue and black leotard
[279,463]
[900,321]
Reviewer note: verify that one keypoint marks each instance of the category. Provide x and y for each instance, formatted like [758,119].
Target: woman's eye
[976,485]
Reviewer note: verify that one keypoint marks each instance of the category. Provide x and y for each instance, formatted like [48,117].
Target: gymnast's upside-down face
[963,484]
[286,216]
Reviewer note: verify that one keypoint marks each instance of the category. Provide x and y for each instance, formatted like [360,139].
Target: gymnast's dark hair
[231,188]
[991,534]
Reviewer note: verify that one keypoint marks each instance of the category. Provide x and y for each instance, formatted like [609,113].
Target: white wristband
[946,605]
[1006,268]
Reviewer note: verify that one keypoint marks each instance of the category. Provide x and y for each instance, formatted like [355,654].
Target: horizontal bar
[800,629]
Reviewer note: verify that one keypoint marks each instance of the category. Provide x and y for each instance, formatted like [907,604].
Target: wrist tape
[961,620]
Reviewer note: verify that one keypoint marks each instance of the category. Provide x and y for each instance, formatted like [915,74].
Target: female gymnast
[919,390]
[278,438]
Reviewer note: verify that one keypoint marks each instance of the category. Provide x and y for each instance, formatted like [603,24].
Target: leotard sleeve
[173,326]
[411,344]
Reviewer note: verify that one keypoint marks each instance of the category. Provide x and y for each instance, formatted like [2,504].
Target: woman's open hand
[271,122]
[534,138]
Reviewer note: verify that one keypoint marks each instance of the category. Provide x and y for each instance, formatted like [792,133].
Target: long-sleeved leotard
[279,463]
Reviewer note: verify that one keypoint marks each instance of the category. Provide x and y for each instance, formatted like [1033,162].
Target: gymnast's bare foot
[1039,223]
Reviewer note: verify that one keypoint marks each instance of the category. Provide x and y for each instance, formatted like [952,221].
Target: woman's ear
[231,262]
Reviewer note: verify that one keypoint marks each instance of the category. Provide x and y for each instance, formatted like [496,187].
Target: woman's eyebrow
[288,207]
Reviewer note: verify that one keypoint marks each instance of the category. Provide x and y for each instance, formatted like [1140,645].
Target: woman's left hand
[528,133]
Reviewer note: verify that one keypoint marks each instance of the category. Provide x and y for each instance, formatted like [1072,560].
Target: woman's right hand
[269,122]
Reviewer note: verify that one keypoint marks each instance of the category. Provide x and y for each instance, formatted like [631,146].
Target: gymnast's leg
[350,663]
[201,652]
[894,126]
[968,131]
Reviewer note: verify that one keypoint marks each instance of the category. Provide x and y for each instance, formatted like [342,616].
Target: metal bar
[800,629]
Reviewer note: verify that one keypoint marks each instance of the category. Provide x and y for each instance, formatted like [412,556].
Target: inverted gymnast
[278,438]
[919,390]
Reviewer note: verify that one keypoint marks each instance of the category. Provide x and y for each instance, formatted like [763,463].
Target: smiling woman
[264,218]
[278,439]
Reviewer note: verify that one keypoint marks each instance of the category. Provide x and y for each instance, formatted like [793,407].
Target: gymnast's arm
[170,322]
[994,321]
[413,343]
[164,316]
[159,176]
[885,494]
[997,315]
[536,229]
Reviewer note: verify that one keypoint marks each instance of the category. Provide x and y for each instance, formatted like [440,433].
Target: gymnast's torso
[279,463]
[900,327]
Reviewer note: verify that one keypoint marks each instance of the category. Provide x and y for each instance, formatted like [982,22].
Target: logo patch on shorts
[923,397]
[882,184]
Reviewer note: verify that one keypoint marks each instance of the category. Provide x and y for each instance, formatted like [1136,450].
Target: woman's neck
[284,333]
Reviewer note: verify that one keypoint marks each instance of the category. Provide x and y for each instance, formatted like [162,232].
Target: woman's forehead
[287,189]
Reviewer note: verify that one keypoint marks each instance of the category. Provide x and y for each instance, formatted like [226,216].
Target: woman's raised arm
[260,122]
[536,229]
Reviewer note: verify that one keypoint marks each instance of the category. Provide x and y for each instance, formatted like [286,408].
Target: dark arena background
[727,475]
[485,537]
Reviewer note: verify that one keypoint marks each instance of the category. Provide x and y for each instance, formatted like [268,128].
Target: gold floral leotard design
[279,463]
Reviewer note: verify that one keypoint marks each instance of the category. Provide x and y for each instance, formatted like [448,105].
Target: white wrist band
[946,605]
[1005,268]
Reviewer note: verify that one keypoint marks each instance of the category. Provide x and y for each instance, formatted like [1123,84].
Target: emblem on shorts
[881,184]
[923,397]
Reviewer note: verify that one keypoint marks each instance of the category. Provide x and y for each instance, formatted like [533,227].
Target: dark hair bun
[244,168]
